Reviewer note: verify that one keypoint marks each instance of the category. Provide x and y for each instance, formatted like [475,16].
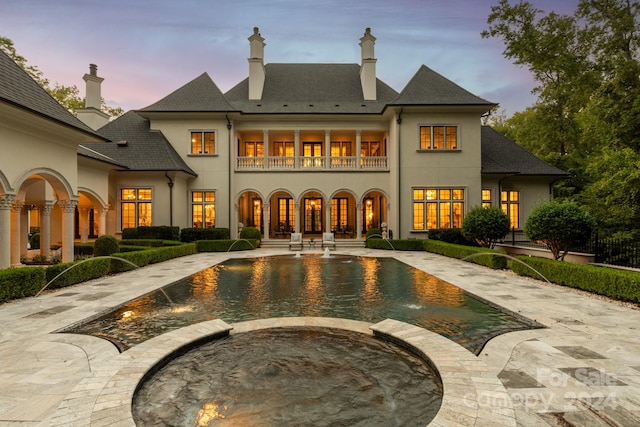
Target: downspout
[170,184]
[399,121]
[229,203]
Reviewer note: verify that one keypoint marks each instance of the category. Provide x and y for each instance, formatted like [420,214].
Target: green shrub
[34,241]
[149,256]
[192,234]
[250,233]
[161,232]
[451,235]
[133,248]
[83,249]
[560,225]
[484,256]
[224,245]
[486,226]
[21,282]
[618,284]
[78,272]
[397,244]
[105,245]
[375,232]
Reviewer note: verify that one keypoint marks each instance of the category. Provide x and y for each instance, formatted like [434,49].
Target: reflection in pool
[360,288]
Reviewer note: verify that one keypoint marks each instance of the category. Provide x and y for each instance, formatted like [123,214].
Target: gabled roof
[427,87]
[500,155]
[20,90]
[137,147]
[199,95]
[311,89]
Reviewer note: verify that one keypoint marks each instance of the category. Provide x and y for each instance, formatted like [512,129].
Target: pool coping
[472,394]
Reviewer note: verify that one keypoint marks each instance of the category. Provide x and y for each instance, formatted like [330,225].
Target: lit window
[438,137]
[486,198]
[203,142]
[510,205]
[203,209]
[438,208]
[135,207]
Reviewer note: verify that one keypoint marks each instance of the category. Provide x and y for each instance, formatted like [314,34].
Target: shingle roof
[92,154]
[200,94]
[427,87]
[145,150]
[19,89]
[500,155]
[311,89]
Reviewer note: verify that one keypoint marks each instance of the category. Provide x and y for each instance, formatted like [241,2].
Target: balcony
[310,163]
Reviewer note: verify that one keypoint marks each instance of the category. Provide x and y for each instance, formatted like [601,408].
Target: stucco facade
[305,148]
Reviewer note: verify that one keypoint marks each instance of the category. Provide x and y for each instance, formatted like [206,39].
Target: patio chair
[328,241]
[296,241]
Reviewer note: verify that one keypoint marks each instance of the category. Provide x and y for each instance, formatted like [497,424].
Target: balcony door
[313,216]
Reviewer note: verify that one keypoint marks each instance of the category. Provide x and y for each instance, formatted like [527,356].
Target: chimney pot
[93,69]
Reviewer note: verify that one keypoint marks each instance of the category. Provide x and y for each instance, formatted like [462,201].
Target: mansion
[299,147]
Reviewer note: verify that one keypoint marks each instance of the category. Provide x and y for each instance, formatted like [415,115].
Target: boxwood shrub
[224,245]
[150,256]
[618,284]
[484,256]
[83,249]
[397,244]
[155,243]
[162,232]
[192,234]
[21,282]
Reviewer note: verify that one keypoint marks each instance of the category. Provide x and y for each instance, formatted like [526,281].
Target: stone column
[45,229]
[296,148]
[266,229]
[68,210]
[296,218]
[327,216]
[358,147]
[16,210]
[24,232]
[327,149]
[265,147]
[5,230]
[102,223]
[359,220]
[83,215]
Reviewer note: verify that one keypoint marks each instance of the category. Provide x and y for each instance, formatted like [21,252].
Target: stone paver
[583,368]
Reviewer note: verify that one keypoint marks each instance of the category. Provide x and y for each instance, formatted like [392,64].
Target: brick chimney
[368,66]
[91,115]
[256,65]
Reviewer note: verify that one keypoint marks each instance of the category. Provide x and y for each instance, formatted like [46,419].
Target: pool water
[308,376]
[360,288]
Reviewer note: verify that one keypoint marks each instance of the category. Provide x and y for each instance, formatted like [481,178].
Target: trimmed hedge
[398,244]
[83,249]
[490,257]
[132,248]
[224,245]
[154,243]
[161,232]
[618,284]
[21,282]
[451,235]
[188,235]
[150,256]
[80,271]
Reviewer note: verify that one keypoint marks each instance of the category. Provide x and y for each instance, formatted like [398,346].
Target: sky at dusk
[147,49]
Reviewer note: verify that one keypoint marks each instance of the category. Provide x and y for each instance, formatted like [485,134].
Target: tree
[486,226]
[560,225]
[68,96]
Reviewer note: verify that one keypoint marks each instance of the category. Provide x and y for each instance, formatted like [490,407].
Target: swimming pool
[360,288]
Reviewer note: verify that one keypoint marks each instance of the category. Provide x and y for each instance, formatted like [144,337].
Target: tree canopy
[586,119]
[68,96]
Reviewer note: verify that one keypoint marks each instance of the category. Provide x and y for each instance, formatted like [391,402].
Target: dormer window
[203,142]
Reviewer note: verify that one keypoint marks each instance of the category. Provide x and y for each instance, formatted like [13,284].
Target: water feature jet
[326,253]
[381,237]
[82,262]
[506,256]
[240,240]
